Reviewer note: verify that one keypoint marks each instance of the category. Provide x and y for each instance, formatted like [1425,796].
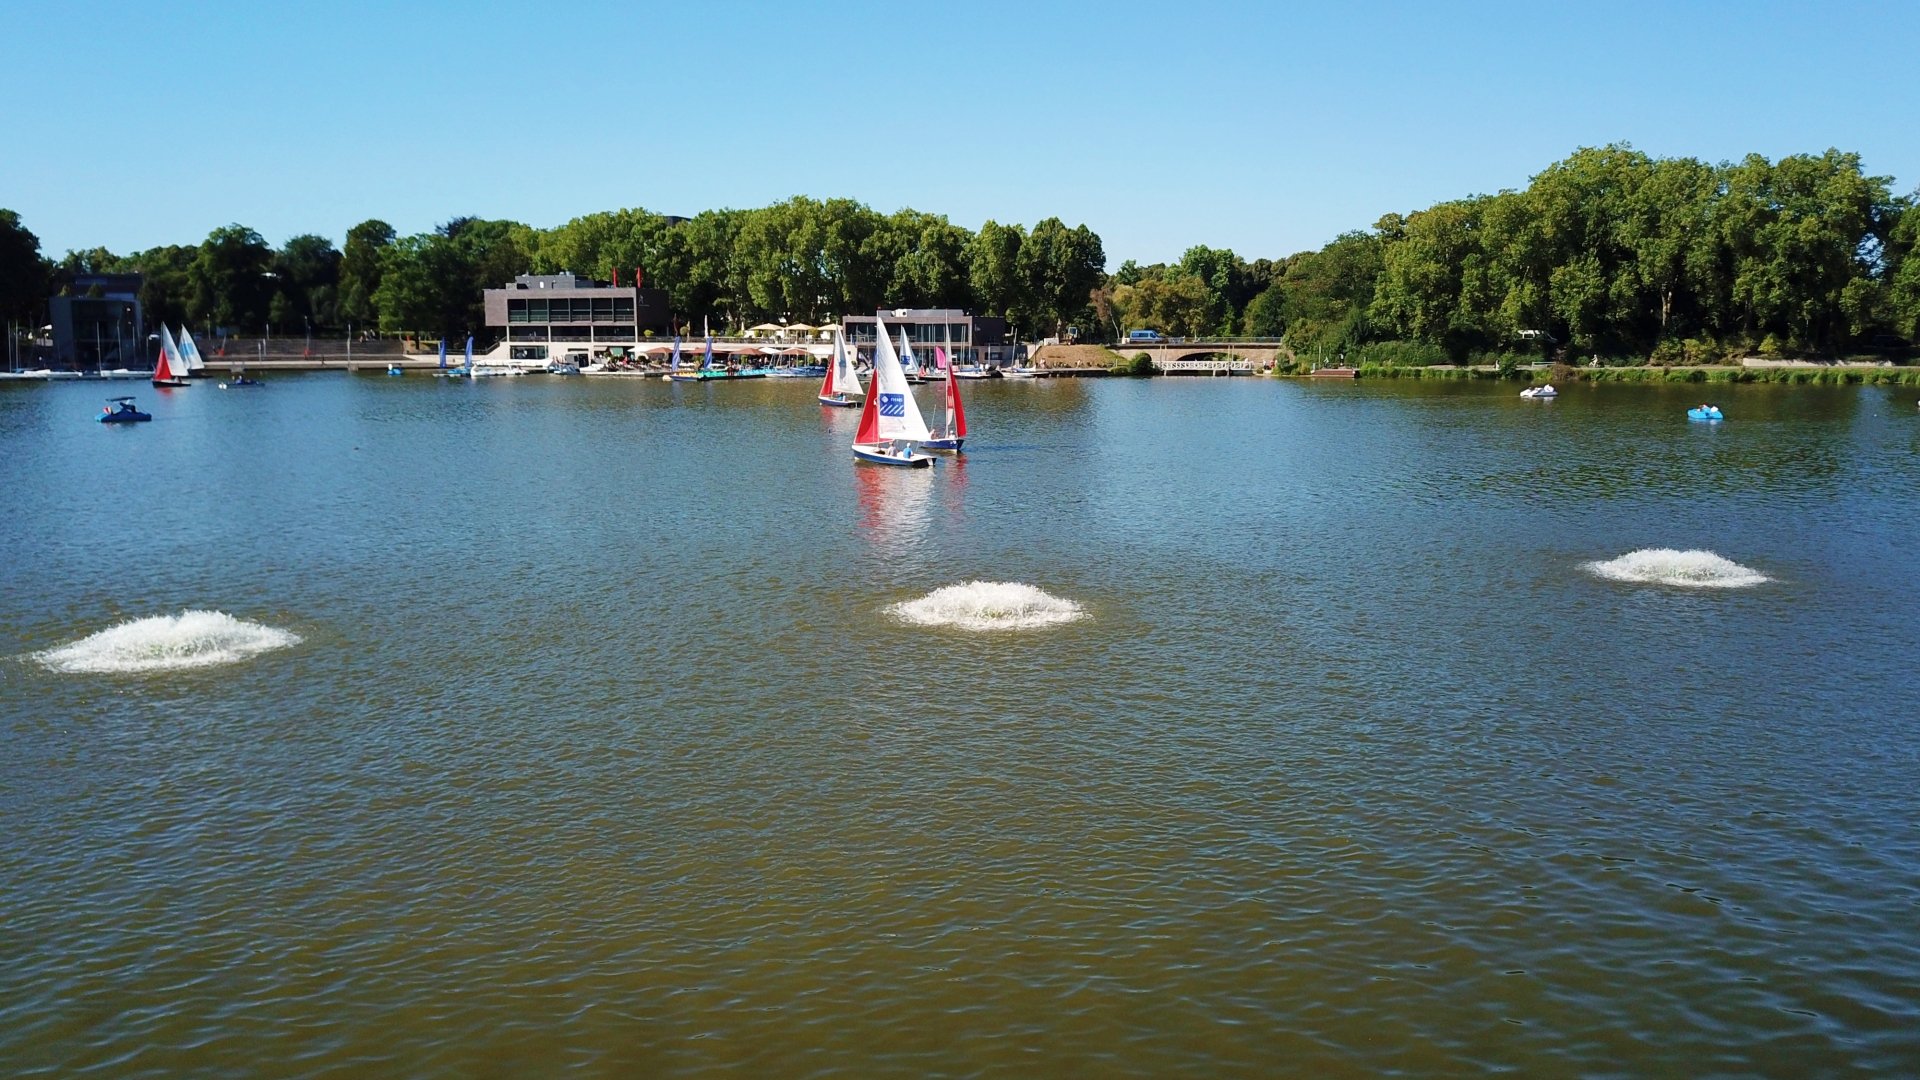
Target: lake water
[601,752]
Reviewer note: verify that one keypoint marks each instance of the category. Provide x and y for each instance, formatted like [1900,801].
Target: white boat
[169,367]
[890,421]
[842,383]
[1534,392]
[191,352]
[951,429]
[1020,373]
[910,364]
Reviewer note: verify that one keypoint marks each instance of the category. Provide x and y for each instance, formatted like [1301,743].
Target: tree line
[1609,252]
[802,259]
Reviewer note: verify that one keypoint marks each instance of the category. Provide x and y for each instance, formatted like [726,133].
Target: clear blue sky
[1266,128]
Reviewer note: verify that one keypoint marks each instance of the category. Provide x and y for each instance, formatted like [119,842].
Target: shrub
[1141,366]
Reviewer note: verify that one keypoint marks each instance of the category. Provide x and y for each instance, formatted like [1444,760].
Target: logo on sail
[893,404]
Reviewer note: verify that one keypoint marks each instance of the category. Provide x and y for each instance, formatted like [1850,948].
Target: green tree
[1901,260]
[307,276]
[359,276]
[228,278]
[24,274]
[932,271]
[993,269]
[1059,268]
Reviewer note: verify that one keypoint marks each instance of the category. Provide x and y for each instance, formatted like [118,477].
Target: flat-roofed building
[971,339]
[98,324]
[549,316]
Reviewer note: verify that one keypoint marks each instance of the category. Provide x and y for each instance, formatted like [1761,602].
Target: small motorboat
[1535,393]
[1706,412]
[120,410]
[1019,373]
[396,369]
[240,382]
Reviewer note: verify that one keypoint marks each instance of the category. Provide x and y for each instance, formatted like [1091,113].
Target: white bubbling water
[1694,569]
[989,605]
[190,639]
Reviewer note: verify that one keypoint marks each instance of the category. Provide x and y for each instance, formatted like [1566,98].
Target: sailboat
[673,362]
[191,352]
[890,421]
[909,363]
[704,371]
[169,367]
[445,372]
[951,431]
[842,384]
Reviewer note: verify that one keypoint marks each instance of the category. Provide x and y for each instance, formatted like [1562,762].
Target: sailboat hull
[838,402]
[873,455]
[944,446]
[174,381]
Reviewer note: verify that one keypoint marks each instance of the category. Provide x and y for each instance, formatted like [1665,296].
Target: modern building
[971,339]
[548,316]
[98,324]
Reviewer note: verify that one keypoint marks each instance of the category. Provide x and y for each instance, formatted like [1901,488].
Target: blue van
[1135,337]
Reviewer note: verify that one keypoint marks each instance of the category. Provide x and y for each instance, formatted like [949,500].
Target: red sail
[160,368]
[869,432]
[959,415]
[826,385]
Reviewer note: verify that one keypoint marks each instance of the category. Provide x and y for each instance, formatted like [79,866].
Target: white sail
[176,362]
[899,413]
[908,362]
[845,379]
[191,351]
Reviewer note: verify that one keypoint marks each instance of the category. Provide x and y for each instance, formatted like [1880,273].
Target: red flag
[616,277]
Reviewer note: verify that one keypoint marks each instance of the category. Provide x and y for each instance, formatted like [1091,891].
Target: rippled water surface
[602,750]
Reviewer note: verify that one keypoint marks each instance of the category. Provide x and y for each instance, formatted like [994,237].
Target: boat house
[972,339]
[98,324]
[549,316]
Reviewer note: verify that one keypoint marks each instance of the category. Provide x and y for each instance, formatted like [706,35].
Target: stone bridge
[1207,356]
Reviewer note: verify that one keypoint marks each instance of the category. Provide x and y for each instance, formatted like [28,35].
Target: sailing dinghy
[890,421]
[842,384]
[169,369]
[951,430]
[190,352]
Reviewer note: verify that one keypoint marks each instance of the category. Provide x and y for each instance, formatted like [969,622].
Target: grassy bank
[1826,376]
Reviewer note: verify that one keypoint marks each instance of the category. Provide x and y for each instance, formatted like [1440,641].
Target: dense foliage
[1608,252]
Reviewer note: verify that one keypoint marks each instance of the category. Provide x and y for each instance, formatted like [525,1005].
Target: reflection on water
[895,506]
[601,751]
